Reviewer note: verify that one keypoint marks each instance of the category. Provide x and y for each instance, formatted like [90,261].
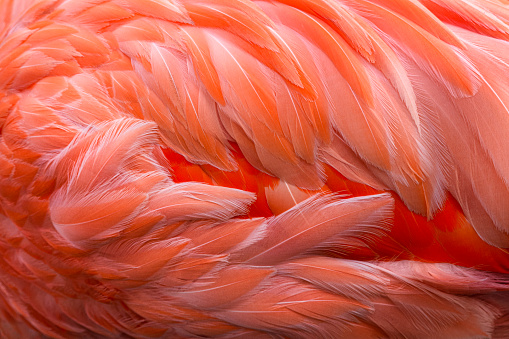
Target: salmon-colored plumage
[254,169]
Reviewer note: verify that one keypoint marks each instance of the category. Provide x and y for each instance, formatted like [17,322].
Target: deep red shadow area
[447,237]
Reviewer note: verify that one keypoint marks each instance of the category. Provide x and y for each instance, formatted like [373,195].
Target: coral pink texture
[254,169]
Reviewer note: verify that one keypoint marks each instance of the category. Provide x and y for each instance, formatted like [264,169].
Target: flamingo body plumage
[254,169]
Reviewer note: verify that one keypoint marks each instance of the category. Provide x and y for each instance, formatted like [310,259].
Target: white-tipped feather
[100,100]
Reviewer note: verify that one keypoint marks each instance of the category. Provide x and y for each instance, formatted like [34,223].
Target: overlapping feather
[96,238]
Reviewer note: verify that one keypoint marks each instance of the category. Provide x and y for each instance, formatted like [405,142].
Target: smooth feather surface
[259,169]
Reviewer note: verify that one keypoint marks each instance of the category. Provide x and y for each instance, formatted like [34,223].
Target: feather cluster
[182,168]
